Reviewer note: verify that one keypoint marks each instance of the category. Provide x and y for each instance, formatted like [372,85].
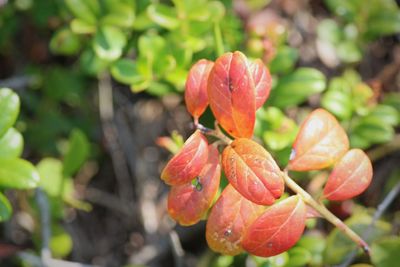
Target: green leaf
[315,244]
[393,100]
[296,87]
[383,23]
[284,60]
[79,26]
[109,42]
[5,208]
[159,89]
[60,242]
[338,103]
[385,252]
[9,106]
[11,144]
[328,30]
[65,42]
[374,130]
[51,177]
[163,15]
[386,114]
[85,10]
[349,52]
[125,71]
[77,153]
[91,64]
[18,174]
[298,257]
[338,245]
[120,15]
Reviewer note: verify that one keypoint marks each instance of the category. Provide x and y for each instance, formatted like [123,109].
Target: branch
[325,213]
[382,207]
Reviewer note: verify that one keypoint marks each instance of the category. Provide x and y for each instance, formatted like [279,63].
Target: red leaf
[196,87]
[278,229]
[350,177]
[252,171]
[189,161]
[188,203]
[262,81]
[319,144]
[231,94]
[228,220]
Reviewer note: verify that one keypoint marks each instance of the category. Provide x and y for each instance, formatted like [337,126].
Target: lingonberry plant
[251,214]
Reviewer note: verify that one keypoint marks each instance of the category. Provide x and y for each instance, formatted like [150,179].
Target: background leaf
[11,144]
[77,154]
[9,106]
[18,174]
[5,208]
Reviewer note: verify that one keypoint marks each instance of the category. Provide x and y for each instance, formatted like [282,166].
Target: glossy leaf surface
[228,220]
[9,106]
[18,174]
[196,87]
[320,142]
[252,171]
[262,81]
[188,163]
[231,94]
[188,203]
[278,229]
[350,177]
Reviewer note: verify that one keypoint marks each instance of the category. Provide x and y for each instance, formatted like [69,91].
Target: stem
[325,212]
[216,133]
[218,39]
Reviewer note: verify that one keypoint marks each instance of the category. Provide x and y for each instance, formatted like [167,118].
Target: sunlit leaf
[65,42]
[228,220]
[11,144]
[252,171]
[231,94]
[187,164]
[5,208]
[350,177]
[18,174]
[9,106]
[188,203]
[385,252]
[51,176]
[196,87]
[84,10]
[109,42]
[163,15]
[77,153]
[262,81]
[278,229]
[320,142]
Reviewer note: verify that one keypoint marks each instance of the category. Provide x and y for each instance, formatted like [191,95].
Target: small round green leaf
[125,71]
[77,153]
[18,174]
[163,15]
[51,178]
[296,87]
[11,144]
[339,103]
[9,106]
[109,42]
[5,208]
[65,42]
[385,252]
[85,10]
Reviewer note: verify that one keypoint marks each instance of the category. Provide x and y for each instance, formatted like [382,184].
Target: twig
[382,207]
[45,260]
[177,249]
[106,110]
[325,212]
[216,133]
[43,205]
[18,82]
[38,262]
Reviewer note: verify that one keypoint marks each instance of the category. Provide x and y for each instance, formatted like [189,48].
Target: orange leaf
[350,177]
[319,144]
[228,220]
[189,161]
[196,87]
[231,94]
[252,171]
[188,203]
[278,229]
[262,81]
